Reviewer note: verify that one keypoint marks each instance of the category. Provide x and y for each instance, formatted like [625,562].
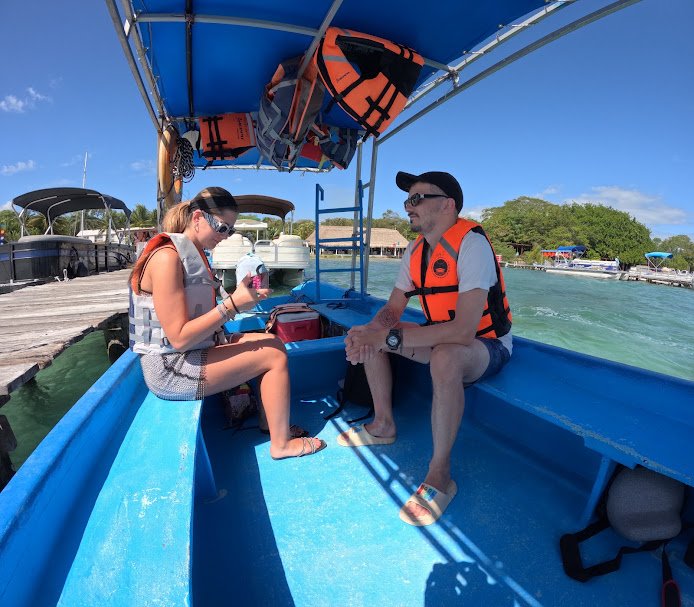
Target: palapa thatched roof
[380,237]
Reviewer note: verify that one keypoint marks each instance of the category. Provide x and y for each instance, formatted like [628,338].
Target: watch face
[393,341]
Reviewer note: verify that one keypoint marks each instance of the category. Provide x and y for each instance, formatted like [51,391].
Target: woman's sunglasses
[218,226]
[415,199]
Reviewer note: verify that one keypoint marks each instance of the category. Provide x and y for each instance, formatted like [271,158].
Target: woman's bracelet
[224,312]
[233,304]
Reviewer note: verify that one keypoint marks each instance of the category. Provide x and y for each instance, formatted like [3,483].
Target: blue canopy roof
[232,48]
[579,248]
[658,254]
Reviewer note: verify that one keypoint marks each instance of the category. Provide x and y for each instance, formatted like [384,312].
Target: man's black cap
[444,181]
[214,198]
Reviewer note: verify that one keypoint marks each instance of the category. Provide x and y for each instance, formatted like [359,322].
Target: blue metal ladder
[355,242]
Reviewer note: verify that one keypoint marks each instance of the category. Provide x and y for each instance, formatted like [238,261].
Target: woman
[177,325]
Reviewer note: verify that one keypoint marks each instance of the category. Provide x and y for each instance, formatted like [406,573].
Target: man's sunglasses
[415,199]
[218,226]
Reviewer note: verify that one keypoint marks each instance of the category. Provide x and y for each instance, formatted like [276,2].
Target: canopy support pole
[115,16]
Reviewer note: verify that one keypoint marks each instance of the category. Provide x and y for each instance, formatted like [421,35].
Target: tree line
[528,225]
[519,229]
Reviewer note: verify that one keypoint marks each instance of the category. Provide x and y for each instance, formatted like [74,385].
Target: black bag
[239,404]
[355,389]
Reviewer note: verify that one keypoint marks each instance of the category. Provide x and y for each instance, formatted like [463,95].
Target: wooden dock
[37,323]
[673,279]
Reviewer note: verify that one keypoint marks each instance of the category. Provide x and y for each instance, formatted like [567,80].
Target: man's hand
[363,341]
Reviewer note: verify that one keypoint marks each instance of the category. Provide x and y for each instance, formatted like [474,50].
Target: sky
[604,115]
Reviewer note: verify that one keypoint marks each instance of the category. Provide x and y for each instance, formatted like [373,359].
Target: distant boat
[569,260]
[39,257]
[594,268]
[286,256]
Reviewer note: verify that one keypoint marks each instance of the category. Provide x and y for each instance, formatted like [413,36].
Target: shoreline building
[385,242]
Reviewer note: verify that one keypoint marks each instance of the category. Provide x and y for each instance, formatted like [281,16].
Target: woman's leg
[257,355]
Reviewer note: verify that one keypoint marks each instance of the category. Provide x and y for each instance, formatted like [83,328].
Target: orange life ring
[170,189]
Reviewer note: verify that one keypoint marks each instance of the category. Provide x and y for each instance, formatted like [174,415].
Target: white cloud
[36,96]
[143,167]
[650,210]
[7,206]
[12,103]
[11,169]
[474,213]
[550,190]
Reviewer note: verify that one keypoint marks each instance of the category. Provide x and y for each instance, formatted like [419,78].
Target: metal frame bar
[115,16]
[142,56]
[526,50]
[473,55]
[259,23]
[319,34]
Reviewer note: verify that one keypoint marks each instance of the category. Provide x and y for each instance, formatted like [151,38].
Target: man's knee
[448,362]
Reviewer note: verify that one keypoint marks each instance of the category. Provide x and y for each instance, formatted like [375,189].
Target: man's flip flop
[308,447]
[358,436]
[433,500]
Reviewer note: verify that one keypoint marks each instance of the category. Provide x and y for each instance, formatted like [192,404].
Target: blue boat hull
[324,530]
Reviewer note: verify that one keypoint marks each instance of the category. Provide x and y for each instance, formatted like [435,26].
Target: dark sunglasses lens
[413,200]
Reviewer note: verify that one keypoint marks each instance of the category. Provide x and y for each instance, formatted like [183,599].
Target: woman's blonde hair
[175,221]
[177,218]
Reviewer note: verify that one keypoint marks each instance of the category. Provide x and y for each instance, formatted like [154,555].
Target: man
[452,268]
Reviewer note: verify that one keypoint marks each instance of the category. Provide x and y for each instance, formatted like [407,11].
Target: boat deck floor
[324,529]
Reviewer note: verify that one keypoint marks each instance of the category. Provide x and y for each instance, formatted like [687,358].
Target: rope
[182,166]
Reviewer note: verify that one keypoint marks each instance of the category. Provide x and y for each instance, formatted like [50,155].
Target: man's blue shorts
[498,357]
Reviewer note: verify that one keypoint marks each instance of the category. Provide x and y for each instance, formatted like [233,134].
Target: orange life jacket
[368,77]
[436,283]
[226,136]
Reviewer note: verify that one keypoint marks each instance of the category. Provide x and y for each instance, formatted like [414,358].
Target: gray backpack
[288,109]
[641,506]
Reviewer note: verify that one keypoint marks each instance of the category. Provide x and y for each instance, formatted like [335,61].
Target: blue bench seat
[137,545]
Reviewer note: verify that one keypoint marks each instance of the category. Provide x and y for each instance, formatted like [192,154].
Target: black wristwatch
[394,339]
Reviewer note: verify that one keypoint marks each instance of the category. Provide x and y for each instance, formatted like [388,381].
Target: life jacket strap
[431,290]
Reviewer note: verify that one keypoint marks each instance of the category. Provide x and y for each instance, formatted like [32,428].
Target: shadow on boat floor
[324,530]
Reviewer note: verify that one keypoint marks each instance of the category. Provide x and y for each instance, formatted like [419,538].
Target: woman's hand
[245,297]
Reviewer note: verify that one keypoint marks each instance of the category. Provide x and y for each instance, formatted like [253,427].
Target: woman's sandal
[306,442]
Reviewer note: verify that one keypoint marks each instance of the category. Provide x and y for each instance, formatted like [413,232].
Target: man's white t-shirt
[477,258]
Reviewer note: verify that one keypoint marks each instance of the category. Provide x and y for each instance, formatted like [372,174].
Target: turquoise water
[649,326]
[635,323]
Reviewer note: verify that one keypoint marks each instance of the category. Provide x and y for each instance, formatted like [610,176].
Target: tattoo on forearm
[386,317]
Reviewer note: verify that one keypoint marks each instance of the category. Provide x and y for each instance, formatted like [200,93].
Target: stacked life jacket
[436,282]
[288,109]
[146,333]
[368,77]
[226,136]
[331,144]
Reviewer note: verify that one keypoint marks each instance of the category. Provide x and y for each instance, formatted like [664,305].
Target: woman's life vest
[288,108]
[436,283]
[368,77]
[227,136]
[146,333]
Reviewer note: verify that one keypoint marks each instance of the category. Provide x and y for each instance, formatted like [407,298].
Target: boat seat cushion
[628,415]
[137,545]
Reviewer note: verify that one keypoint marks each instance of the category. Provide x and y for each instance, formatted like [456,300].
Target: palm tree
[143,218]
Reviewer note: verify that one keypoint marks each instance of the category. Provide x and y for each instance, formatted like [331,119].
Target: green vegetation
[530,225]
